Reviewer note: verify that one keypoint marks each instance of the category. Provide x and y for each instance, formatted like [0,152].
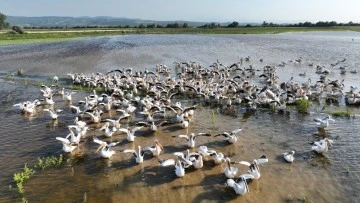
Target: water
[333,177]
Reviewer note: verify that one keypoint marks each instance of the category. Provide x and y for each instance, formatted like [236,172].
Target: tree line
[18,29]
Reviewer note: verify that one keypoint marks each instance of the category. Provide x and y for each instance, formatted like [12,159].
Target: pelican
[95,117]
[53,114]
[289,156]
[179,168]
[138,154]
[73,138]
[156,149]
[153,127]
[229,171]
[254,166]
[79,123]
[240,185]
[230,137]
[68,147]
[322,146]
[108,132]
[324,123]
[130,132]
[68,96]
[116,123]
[105,148]
[197,161]
[217,156]
[191,139]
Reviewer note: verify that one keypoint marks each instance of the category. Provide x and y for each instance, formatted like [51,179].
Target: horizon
[277,11]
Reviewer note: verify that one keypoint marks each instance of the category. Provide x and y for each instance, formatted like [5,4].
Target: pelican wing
[225,134]
[96,140]
[151,149]
[113,144]
[244,163]
[142,123]
[183,136]
[189,108]
[236,130]
[203,134]
[111,121]
[262,159]
[63,140]
[130,151]
[136,128]
[172,109]
[168,162]
[124,130]
[318,119]
[247,176]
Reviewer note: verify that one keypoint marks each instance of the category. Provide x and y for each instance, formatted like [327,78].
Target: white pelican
[105,148]
[179,168]
[79,123]
[230,137]
[116,123]
[254,167]
[68,147]
[191,139]
[240,185]
[217,156]
[153,127]
[68,96]
[95,117]
[156,149]
[53,114]
[322,146]
[289,156]
[73,138]
[229,171]
[130,132]
[324,123]
[108,132]
[138,154]
[197,161]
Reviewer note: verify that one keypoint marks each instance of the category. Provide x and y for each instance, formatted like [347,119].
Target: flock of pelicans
[225,86]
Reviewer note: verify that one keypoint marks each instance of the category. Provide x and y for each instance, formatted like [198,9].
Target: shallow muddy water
[332,177]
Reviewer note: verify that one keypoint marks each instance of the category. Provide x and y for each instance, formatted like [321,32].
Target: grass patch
[340,113]
[83,88]
[302,105]
[52,161]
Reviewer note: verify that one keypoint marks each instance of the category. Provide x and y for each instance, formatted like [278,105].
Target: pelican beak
[100,148]
[158,143]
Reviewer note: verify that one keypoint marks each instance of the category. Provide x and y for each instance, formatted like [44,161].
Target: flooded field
[87,177]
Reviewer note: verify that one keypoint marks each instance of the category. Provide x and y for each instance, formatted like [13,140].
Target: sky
[251,11]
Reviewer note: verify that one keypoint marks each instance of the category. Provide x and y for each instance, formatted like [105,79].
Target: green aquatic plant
[52,161]
[26,81]
[213,119]
[20,177]
[9,97]
[302,105]
[20,72]
[340,113]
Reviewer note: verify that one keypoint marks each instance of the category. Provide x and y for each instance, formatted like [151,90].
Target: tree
[185,25]
[3,24]
[233,24]
[18,29]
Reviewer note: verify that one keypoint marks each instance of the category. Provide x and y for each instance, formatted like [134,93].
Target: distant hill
[58,21]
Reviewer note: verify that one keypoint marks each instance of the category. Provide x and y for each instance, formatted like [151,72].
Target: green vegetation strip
[59,35]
